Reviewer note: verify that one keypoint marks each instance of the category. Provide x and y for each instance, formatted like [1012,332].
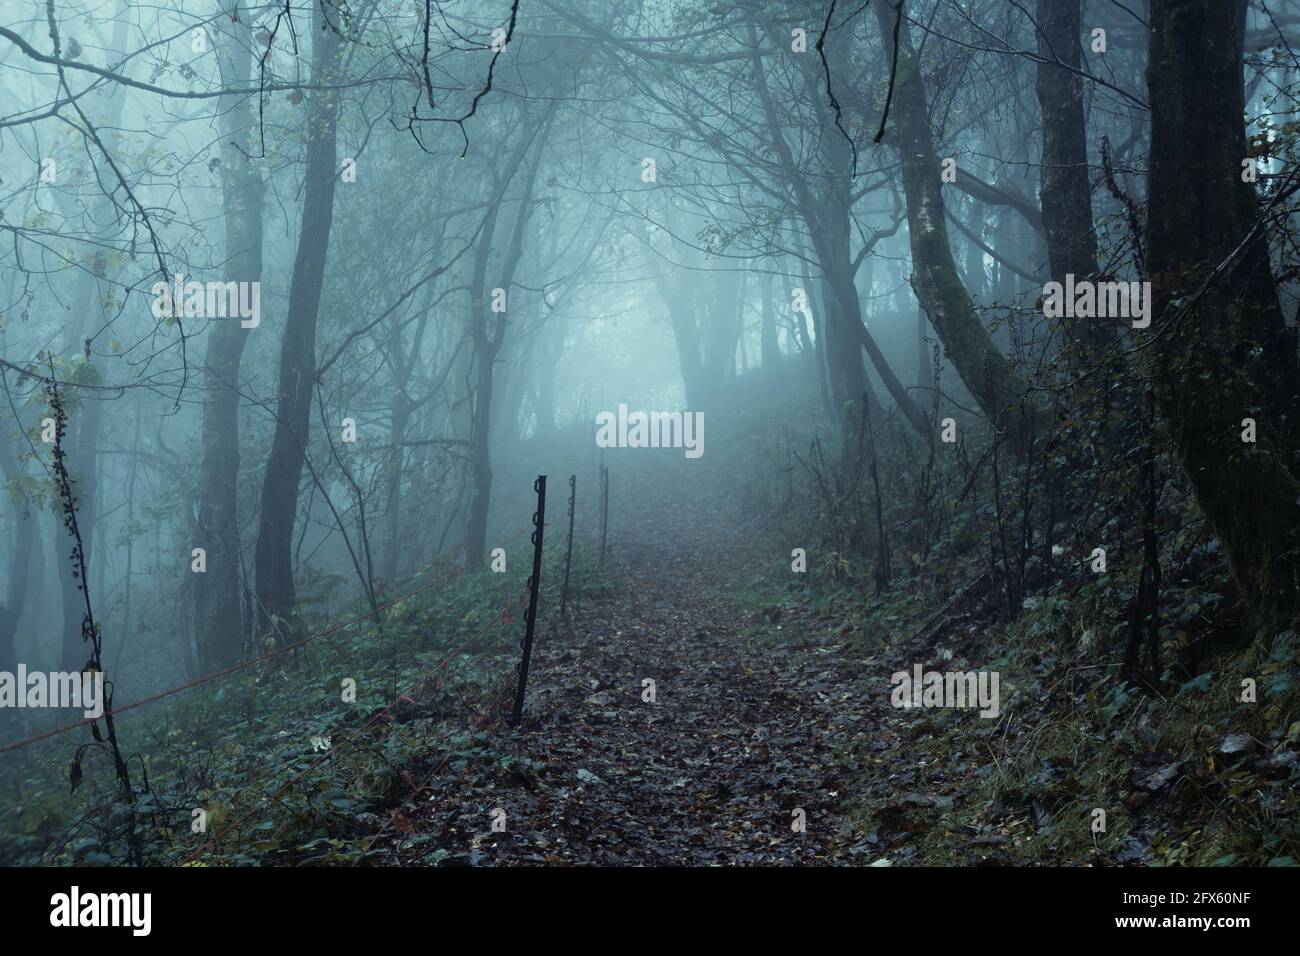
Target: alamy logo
[79,689]
[1101,300]
[960,689]
[212,300]
[103,909]
[651,430]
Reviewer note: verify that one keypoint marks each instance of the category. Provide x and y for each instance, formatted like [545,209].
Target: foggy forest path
[742,733]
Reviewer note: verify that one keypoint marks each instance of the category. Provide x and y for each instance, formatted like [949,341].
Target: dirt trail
[741,734]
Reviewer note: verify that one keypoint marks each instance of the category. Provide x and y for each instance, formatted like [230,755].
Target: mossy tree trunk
[1224,353]
[999,391]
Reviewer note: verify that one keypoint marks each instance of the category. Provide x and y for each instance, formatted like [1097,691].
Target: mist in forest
[911,354]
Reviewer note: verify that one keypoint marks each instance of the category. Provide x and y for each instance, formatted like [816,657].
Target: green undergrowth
[1186,771]
[1185,766]
[271,764]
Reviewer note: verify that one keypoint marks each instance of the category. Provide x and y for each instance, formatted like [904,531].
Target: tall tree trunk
[487,344]
[1225,351]
[274,577]
[681,315]
[705,328]
[679,299]
[459,423]
[218,618]
[403,361]
[1065,191]
[819,339]
[769,345]
[517,384]
[825,214]
[480,461]
[23,528]
[924,357]
[974,267]
[848,379]
[400,421]
[547,369]
[1000,392]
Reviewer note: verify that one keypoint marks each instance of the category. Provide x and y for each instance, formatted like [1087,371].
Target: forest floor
[740,736]
[766,715]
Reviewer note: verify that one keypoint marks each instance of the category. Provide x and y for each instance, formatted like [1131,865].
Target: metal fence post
[539,522]
[568,548]
[604,511]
